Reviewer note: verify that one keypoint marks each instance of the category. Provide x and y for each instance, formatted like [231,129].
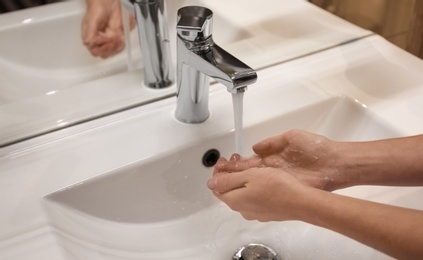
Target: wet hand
[309,157]
[264,194]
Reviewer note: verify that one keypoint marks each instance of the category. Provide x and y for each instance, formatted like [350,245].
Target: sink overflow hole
[210,157]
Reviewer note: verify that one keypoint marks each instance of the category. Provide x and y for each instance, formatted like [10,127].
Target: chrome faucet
[154,40]
[199,58]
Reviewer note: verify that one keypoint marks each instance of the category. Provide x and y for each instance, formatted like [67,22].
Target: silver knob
[194,23]
[255,252]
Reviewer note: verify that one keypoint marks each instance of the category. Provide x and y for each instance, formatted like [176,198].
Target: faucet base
[192,106]
[160,85]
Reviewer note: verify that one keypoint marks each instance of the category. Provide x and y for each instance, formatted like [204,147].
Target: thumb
[224,182]
[270,145]
[89,31]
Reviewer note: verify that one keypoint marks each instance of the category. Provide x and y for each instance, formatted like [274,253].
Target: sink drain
[255,252]
[210,157]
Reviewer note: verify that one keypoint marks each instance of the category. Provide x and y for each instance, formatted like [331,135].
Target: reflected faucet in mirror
[199,58]
[154,40]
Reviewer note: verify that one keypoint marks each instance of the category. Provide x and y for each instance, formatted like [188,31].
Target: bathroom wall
[416,42]
[400,22]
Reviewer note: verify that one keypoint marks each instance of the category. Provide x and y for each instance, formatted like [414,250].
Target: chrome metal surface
[200,58]
[255,252]
[154,40]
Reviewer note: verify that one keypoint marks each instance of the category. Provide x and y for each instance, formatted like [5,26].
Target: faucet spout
[199,58]
[154,41]
[222,66]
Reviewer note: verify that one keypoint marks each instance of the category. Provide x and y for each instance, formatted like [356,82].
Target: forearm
[397,162]
[395,231]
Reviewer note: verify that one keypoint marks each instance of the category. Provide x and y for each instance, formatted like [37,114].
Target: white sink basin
[45,77]
[160,208]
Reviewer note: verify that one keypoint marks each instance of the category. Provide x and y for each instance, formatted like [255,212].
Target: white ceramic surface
[380,76]
[50,81]
[165,197]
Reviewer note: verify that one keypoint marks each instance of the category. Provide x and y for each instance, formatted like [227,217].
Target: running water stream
[237,100]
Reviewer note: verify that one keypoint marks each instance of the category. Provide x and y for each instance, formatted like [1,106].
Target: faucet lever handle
[194,22]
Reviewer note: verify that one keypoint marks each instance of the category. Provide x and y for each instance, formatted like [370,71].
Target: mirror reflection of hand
[309,157]
[102,28]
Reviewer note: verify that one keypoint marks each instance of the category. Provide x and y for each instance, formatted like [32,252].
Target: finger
[235,157]
[270,145]
[238,165]
[222,182]
[102,51]
[219,161]
[132,21]
[94,21]
[99,49]
[234,198]
[107,46]
[89,30]
[115,21]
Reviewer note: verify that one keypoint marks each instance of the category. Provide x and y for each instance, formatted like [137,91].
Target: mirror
[50,81]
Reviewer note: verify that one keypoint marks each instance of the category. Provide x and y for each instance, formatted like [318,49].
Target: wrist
[98,3]
[359,163]
[345,164]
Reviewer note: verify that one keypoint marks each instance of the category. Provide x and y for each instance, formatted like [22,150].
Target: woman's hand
[309,157]
[264,194]
[102,28]
[277,184]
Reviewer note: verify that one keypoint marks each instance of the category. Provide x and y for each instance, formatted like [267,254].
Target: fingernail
[235,157]
[212,183]
[220,165]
